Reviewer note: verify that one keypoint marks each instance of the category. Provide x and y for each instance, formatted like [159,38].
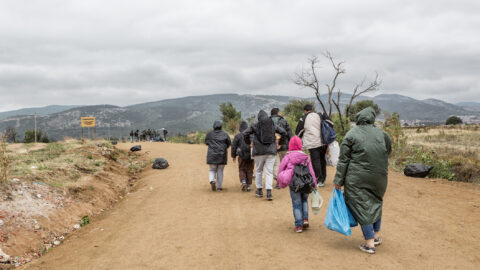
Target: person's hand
[234,159]
[337,186]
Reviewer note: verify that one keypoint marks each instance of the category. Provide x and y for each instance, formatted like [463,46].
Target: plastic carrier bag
[333,152]
[337,218]
[316,201]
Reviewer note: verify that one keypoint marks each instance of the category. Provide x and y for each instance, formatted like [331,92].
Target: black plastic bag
[417,170]
[160,163]
[136,148]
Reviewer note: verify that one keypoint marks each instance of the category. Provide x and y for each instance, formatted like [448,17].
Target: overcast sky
[126,52]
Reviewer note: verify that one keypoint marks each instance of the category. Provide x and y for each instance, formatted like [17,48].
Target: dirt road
[174,221]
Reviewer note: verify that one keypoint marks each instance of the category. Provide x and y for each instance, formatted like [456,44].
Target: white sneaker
[320,184]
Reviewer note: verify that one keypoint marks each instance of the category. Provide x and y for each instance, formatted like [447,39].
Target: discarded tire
[136,148]
[417,170]
[160,163]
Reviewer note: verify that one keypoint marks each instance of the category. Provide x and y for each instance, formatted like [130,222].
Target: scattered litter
[56,242]
[33,167]
[37,227]
[38,183]
[39,196]
[4,257]
[76,226]
[1,222]
[15,180]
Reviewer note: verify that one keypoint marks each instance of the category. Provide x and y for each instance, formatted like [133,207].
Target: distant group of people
[270,148]
[148,135]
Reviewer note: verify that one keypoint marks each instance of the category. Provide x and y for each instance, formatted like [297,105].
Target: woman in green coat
[363,171]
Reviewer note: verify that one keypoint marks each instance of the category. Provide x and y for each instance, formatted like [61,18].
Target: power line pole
[35,117]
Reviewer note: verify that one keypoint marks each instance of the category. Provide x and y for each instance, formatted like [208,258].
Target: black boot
[269,195]
[259,193]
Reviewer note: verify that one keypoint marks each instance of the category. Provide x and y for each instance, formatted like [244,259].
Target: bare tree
[11,134]
[309,78]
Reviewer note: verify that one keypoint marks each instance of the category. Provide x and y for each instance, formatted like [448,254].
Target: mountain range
[186,114]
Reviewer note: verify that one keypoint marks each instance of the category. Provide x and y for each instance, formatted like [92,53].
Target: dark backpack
[266,129]
[302,179]
[328,132]
[243,150]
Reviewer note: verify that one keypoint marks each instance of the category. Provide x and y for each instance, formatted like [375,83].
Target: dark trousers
[317,155]
[245,170]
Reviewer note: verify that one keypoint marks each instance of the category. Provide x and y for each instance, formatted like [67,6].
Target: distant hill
[183,115]
[470,106]
[39,111]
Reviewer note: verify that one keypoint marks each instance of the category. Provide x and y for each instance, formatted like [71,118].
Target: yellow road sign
[88,121]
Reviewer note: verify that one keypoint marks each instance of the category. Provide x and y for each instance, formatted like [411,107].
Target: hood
[366,116]
[262,116]
[243,126]
[217,125]
[295,144]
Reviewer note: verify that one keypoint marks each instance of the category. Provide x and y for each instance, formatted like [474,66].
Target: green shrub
[30,136]
[441,168]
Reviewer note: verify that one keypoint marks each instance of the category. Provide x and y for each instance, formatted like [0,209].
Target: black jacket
[260,149]
[218,142]
[236,151]
[280,121]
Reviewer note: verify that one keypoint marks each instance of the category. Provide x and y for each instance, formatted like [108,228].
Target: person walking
[282,146]
[241,148]
[218,142]
[264,151]
[136,135]
[363,171]
[165,132]
[131,135]
[309,129]
[294,157]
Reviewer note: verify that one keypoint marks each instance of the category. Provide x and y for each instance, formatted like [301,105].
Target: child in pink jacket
[285,173]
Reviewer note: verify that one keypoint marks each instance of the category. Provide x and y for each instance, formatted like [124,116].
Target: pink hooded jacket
[293,157]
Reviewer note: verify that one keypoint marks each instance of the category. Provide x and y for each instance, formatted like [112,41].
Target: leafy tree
[454,120]
[394,130]
[11,134]
[362,104]
[231,117]
[293,111]
[252,119]
[30,136]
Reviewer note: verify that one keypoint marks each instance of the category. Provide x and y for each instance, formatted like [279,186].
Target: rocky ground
[37,210]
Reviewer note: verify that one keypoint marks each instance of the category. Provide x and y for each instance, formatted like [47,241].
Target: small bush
[84,221]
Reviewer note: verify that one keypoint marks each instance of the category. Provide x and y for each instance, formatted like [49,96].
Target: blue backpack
[328,133]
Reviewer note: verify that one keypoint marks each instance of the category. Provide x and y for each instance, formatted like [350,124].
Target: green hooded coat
[363,168]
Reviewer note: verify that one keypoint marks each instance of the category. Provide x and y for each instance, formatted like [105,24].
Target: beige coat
[312,131]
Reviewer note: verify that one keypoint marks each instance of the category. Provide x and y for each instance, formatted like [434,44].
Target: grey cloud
[124,52]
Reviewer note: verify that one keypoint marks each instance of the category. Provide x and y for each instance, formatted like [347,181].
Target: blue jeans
[300,207]
[370,230]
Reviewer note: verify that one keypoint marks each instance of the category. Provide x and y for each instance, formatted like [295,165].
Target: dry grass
[5,161]
[458,145]
[62,163]
[447,141]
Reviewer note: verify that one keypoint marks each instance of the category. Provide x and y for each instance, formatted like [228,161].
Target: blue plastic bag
[337,218]
[353,222]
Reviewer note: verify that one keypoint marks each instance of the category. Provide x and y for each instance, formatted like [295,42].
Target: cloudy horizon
[128,52]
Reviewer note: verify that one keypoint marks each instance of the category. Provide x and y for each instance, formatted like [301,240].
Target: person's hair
[308,107]
[274,111]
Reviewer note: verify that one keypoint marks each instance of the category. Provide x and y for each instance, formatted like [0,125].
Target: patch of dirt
[35,216]
[174,221]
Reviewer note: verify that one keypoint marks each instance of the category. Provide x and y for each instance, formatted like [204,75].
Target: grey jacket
[259,148]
